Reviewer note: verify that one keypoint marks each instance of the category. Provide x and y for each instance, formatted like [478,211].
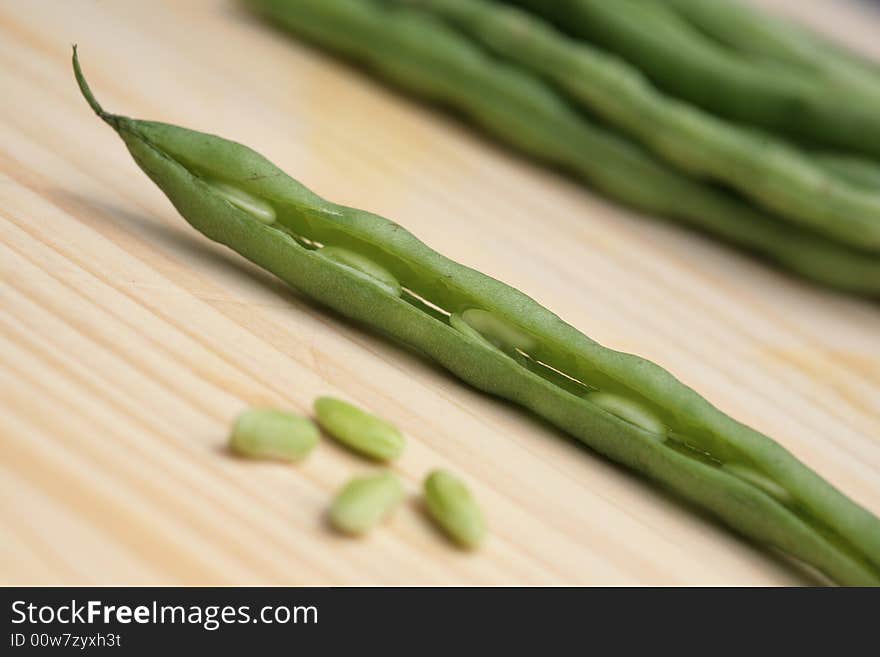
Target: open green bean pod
[503,342]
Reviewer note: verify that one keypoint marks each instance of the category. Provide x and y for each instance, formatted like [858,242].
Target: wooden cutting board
[128,342]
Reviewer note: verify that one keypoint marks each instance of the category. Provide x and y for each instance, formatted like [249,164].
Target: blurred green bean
[759,166]
[689,64]
[427,57]
[267,433]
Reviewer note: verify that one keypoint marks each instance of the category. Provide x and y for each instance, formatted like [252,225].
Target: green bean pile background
[702,112]
[503,342]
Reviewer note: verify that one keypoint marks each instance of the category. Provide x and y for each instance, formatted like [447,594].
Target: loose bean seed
[263,433]
[359,430]
[364,502]
[454,509]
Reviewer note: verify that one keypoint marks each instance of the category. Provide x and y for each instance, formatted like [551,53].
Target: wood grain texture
[128,342]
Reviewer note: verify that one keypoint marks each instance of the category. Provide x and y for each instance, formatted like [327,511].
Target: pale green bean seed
[363,267]
[364,502]
[454,509]
[497,331]
[256,207]
[766,484]
[264,433]
[359,430]
[456,322]
[628,411]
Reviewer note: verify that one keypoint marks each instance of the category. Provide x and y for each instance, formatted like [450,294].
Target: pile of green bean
[672,108]
[500,341]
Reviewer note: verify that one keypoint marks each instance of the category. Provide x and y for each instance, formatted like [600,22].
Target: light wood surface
[128,342]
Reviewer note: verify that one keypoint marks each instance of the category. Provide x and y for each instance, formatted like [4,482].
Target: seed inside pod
[761,481]
[497,331]
[363,267]
[254,206]
[628,411]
